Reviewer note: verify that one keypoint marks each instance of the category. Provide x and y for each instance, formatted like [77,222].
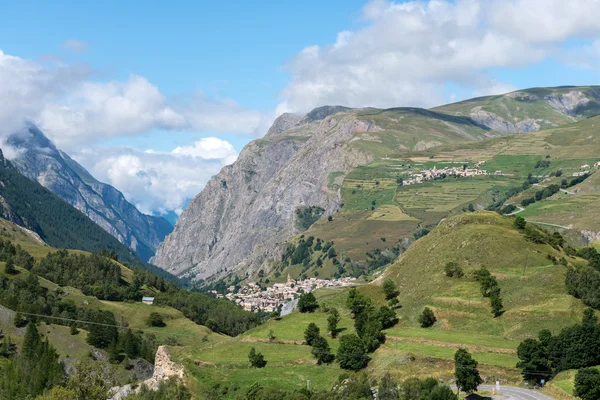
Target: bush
[520,223]
[390,289]
[322,351]
[307,303]
[427,318]
[453,270]
[155,319]
[352,354]
[257,360]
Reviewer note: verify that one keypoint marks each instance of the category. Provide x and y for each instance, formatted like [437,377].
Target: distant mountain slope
[530,110]
[30,205]
[40,160]
[347,162]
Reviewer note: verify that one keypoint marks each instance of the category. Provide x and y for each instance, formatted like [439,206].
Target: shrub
[453,270]
[257,360]
[427,318]
[155,319]
[307,303]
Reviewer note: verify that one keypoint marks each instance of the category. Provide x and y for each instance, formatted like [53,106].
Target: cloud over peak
[408,52]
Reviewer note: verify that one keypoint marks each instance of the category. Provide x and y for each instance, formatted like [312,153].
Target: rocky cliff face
[248,209]
[41,161]
[164,369]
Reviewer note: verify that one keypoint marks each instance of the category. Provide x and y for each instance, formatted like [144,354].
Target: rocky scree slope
[41,161]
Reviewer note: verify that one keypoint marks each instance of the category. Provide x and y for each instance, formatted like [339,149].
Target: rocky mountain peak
[38,159]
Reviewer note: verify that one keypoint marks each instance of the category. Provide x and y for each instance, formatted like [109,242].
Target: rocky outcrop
[40,160]
[283,123]
[499,124]
[237,222]
[568,103]
[164,369]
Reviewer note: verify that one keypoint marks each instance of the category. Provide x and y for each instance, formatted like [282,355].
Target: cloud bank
[409,52]
[159,181]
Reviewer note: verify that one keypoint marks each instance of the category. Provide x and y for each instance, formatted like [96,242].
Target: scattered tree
[155,319]
[453,270]
[322,351]
[9,267]
[520,222]
[387,317]
[307,303]
[466,372]
[351,353]
[257,360]
[390,289]
[311,333]
[427,318]
[357,302]
[497,307]
[73,329]
[332,322]
[471,208]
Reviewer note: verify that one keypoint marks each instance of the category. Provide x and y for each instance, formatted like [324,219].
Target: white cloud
[159,181]
[72,109]
[408,52]
[75,45]
[26,87]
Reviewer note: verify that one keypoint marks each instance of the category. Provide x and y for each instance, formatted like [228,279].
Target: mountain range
[344,163]
[40,160]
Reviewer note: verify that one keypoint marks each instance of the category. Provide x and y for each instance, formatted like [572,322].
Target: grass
[532,289]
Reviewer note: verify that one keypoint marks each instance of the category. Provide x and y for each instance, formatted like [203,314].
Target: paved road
[520,209]
[514,393]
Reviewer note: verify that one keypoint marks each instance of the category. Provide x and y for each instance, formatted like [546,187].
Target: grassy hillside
[535,104]
[375,206]
[533,287]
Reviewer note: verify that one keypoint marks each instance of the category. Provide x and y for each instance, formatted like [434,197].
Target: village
[252,297]
[434,173]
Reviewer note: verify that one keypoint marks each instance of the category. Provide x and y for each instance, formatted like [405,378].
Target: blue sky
[155,98]
[233,49]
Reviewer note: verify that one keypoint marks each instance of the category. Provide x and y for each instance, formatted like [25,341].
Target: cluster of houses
[436,173]
[253,298]
[586,169]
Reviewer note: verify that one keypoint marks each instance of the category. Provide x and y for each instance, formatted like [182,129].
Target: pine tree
[9,267]
[332,322]
[322,351]
[31,341]
[113,352]
[311,333]
[428,318]
[257,360]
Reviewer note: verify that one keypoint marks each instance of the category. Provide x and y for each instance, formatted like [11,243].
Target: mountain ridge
[40,160]
[288,170]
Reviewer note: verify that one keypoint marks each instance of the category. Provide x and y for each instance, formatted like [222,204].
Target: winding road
[514,393]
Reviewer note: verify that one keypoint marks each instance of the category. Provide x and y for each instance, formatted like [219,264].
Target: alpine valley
[423,251]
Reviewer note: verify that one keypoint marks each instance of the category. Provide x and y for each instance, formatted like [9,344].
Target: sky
[155,98]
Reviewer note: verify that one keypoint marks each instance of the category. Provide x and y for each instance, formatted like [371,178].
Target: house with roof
[148,300]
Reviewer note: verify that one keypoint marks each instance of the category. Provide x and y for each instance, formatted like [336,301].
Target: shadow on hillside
[474,396]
